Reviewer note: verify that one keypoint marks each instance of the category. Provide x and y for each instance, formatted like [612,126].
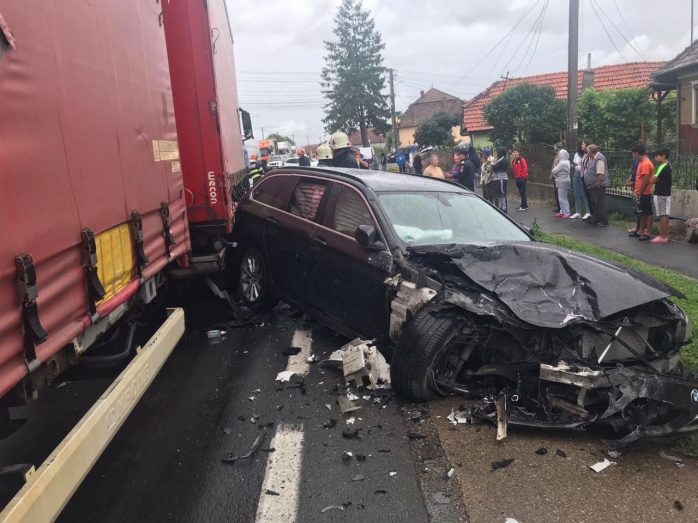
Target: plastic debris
[227,430]
[359,477]
[284,376]
[258,391]
[270,449]
[347,456]
[230,458]
[680,465]
[441,498]
[351,421]
[364,365]
[393,474]
[351,396]
[251,398]
[328,406]
[601,465]
[414,435]
[669,457]
[542,451]
[279,407]
[214,334]
[269,492]
[502,464]
[312,359]
[367,398]
[613,454]
[561,453]
[452,417]
[291,351]
[361,457]
[332,507]
[351,433]
[510,520]
[330,423]
[346,405]
[450,472]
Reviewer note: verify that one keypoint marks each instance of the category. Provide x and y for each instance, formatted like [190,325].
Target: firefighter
[324,155]
[303,160]
[341,151]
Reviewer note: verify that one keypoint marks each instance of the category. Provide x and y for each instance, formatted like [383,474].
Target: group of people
[339,152]
[466,165]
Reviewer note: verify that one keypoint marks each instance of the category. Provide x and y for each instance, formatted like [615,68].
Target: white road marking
[282,477]
[301,338]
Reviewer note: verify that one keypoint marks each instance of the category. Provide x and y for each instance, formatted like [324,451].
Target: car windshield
[443,218]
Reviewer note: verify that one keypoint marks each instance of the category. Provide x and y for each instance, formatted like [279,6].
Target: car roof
[381,181]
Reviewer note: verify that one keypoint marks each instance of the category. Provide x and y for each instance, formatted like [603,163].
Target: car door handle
[320,241]
[271,219]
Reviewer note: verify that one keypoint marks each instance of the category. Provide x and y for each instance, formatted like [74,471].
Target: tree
[526,114]
[436,130]
[354,76]
[614,118]
[280,138]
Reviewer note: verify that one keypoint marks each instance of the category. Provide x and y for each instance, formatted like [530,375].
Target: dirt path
[642,487]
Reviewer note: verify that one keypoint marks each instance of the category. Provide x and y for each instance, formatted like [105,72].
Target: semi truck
[120,142]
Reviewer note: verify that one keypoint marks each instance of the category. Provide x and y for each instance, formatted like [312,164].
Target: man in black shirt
[465,170]
[303,160]
[417,164]
[341,151]
[662,193]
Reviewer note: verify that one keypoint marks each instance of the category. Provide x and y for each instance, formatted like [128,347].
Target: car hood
[549,286]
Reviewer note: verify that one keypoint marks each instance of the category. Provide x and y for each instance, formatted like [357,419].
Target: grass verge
[688,286]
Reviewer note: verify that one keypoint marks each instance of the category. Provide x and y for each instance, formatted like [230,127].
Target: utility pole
[396,134]
[506,79]
[262,133]
[692,22]
[573,76]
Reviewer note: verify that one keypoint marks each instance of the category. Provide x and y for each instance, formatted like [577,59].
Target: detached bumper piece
[644,409]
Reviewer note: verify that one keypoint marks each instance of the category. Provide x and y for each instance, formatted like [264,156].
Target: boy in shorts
[662,193]
[643,192]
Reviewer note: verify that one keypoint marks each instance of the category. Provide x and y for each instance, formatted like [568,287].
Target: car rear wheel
[424,344]
[254,279]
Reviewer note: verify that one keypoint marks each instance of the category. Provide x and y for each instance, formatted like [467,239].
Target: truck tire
[421,344]
[254,279]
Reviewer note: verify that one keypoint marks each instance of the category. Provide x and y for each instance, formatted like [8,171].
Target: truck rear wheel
[254,279]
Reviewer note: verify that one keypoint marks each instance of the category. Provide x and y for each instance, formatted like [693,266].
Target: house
[427,105]
[375,139]
[681,75]
[621,76]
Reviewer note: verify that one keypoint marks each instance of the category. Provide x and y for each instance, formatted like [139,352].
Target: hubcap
[251,278]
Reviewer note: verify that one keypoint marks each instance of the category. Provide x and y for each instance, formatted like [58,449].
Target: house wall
[407,135]
[481,140]
[688,130]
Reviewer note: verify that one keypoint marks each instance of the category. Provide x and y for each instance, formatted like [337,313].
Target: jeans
[580,194]
[598,203]
[418,170]
[557,198]
[564,201]
[521,186]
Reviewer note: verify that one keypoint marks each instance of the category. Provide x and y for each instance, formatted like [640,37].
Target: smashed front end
[545,344]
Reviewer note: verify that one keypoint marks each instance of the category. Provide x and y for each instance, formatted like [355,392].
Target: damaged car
[465,301]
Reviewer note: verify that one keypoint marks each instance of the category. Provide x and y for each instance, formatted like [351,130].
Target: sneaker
[575,216]
[645,238]
[565,216]
[659,239]
[518,209]
[559,215]
[523,209]
[587,216]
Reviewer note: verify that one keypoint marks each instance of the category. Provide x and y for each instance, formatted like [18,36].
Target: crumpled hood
[548,286]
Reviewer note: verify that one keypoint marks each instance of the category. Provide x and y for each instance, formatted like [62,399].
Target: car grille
[595,343]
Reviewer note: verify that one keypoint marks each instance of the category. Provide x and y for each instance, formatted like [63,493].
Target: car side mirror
[365,235]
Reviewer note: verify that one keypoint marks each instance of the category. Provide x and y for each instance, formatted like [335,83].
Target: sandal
[659,239]
[633,235]
[645,238]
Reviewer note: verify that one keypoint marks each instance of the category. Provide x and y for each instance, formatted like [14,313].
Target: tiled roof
[606,77]
[373,137]
[686,58]
[429,104]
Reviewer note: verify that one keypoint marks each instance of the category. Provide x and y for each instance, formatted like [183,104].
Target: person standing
[433,170]
[643,192]
[384,162]
[557,148]
[580,195]
[561,172]
[487,176]
[588,217]
[520,169]
[475,160]
[401,161]
[662,193]
[596,180]
[324,155]
[303,160]
[417,164]
[465,171]
[341,151]
[501,175]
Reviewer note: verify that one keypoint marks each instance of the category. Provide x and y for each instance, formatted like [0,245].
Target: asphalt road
[165,463]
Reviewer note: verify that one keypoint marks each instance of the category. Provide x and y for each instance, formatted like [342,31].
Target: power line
[626,27]
[536,28]
[530,31]
[540,32]
[606,31]
[494,64]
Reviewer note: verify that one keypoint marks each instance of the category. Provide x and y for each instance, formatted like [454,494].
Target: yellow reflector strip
[114,259]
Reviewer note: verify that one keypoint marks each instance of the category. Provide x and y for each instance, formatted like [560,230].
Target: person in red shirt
[642,195]
[521,174]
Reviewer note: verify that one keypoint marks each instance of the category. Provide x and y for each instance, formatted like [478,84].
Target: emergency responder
[324,155]
[341,151]
[464,170]
[303,160]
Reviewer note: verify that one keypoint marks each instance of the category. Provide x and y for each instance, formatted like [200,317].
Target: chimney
[588,76]
[421,94]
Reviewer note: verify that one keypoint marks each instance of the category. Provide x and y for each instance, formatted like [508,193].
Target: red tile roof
[373,137]
[621,76]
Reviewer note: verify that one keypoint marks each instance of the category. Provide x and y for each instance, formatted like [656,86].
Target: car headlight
[685,329]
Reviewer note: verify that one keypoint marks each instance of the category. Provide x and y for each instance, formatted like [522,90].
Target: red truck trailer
[119,144]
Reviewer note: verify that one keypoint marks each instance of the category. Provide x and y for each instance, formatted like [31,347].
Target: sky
[279,47]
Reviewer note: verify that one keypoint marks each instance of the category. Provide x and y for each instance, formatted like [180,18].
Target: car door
[347,280]
[287,235]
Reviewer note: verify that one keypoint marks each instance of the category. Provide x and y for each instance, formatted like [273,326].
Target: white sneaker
[575,216]
[586,216]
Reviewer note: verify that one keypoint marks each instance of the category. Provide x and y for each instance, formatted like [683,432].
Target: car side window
[269,192]
[347,210]
[306,198]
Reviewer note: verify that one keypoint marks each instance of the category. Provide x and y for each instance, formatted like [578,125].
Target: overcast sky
[279,47]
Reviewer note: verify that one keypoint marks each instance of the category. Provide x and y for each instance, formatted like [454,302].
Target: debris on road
[441,497]
[346,405]
[561,453]
[347,456]
[542,451]
[414,435]
[361,457]
[601,465]
[362,364]
[331,423]
[393,474]
[312,359]
[613,454]
[284,376]
[257,391]
[351,433]
[251,398]
[230,458]
[380,491]
[450,473]
[214,334]
[351,421]
[359,477]
[328,406]
[678,505]
[269,492]
[502,464]
[227,430]
[669,457]
[332,507]
[291,351]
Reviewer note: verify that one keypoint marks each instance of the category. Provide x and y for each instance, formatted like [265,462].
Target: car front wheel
[254,279]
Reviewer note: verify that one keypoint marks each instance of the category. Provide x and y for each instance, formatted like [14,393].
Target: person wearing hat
[324,155]
[303,160]
[464,174]
[557,148]
[341,151]
[487,176]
